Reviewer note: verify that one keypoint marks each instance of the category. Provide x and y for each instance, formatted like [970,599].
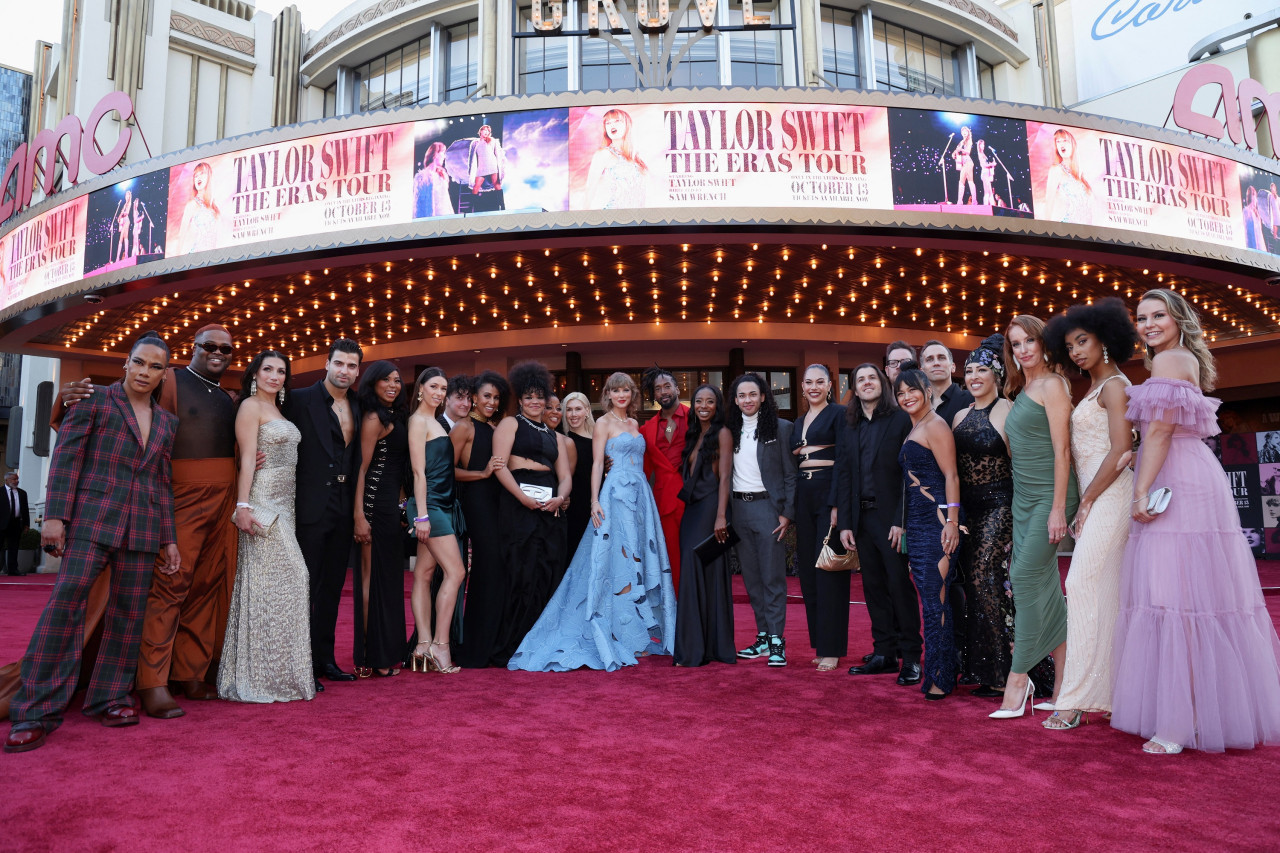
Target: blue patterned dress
[616,600]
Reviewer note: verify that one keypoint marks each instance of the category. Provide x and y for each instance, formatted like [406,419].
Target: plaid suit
[116,502]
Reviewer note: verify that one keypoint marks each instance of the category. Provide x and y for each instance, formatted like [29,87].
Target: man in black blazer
[763,507]
[16,517]
[869,500]
[328,461]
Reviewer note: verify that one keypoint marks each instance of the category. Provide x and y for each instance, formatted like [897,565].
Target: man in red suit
[664,446]
[110,501]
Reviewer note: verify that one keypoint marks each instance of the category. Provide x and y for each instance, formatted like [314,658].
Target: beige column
[1264,66]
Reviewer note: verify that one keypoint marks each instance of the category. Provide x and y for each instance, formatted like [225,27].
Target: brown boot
[158,703]
[194,689]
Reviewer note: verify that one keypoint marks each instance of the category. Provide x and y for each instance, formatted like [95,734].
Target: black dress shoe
[333,673]
[868,656]
[878,665]
[910,674]
[966,680]
[320,687]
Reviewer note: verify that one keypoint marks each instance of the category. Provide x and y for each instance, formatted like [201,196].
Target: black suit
[891,597]
[326,483]
[13,525]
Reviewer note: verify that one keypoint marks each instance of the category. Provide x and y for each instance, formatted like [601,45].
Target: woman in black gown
[928,460]
[535,482]
[474,467]
[986,490]
[379,596]
[437,525]
[826,594]
[553,416]
[579,425]
[704,615]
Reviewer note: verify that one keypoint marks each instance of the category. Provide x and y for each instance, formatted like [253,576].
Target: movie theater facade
[712,186]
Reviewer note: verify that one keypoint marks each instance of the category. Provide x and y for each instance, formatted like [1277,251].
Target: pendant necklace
[538,427]
[209,384]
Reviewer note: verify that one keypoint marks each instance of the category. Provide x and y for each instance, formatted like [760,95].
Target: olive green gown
[1040,623]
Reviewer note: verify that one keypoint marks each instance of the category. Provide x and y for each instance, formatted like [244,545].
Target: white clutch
[1158,501]
[541,494]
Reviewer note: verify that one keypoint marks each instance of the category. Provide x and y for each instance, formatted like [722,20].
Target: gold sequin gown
[1093,582]
[267,653]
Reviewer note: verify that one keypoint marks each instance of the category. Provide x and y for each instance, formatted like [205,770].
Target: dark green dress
[1040,623]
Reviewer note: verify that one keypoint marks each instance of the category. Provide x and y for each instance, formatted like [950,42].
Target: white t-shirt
[746,467]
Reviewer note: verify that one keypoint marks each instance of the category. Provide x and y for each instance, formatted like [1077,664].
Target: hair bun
[909,364]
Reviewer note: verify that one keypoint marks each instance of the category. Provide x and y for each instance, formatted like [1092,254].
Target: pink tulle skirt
[1195,649]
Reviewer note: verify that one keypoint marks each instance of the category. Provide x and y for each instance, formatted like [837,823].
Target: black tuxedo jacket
[6,513]
[319,455]
[887,432]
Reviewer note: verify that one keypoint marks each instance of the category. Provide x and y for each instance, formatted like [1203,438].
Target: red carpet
[650,758]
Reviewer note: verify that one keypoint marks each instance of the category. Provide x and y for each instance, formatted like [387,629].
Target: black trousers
[892,602]
[826,594]
[326,547]
[12,536]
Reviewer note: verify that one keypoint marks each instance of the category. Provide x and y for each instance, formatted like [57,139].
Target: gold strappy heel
[434,662]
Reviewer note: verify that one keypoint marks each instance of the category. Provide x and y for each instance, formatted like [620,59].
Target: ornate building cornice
[208,32]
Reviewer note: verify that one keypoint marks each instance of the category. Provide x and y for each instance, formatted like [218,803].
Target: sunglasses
[225,349]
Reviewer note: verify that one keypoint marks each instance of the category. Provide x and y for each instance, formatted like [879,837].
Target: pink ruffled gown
[1196,653]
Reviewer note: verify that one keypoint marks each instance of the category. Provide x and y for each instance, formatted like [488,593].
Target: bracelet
[951,521]
[425,518]
[949,506]
[244,506]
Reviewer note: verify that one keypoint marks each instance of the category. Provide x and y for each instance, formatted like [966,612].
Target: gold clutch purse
[830,561]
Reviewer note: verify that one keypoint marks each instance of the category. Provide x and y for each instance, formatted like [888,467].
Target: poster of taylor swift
[126,223]
[1260,209]
[491,163]
[959,163]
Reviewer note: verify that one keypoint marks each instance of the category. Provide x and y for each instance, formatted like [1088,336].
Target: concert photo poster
[537,149]
[314,185]
[1239,448]
[701,155]
[126,223]
[459,166]
[1089,177]
[1260,209]
[1268,446]
[960,163]
[1269,476]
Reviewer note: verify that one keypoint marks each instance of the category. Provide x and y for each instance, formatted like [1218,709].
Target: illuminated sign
[1240,126]
[649,15]
[26,166]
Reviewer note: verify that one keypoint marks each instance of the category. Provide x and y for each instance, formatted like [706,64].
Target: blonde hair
[1071,165]
[1015,379]
[1191,332]
[588,425]
[614,382]
[624,146]
[204,195]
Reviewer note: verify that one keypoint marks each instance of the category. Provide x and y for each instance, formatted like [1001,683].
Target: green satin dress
[1040,621]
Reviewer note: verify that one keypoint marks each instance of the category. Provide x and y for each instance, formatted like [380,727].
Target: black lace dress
[986,493]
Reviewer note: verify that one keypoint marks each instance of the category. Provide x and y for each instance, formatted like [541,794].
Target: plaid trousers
[52,663]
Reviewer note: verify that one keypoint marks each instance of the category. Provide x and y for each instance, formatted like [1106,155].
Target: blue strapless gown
[616,600]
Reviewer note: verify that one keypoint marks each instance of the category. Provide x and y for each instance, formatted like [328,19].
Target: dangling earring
[1045,356]
[280,396]
[1180,342]
[253,388]
[419,396]
[1017,365]
[1105,358]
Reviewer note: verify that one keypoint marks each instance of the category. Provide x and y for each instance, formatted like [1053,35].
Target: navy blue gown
[931,569]
[616,600]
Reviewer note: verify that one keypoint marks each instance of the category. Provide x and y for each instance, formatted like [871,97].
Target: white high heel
[1006,714]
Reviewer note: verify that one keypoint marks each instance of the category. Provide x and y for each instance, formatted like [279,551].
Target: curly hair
[615,381]
[367,394]
[650,378]
[710,444]
[530,376]
[767,426]
[490,377]
[886,404]
[251,373]
[1106,319]
[1191,333]
[459,384]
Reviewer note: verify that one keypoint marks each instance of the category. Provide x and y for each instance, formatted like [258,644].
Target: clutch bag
[541,494]
[1158,501]
[712,549]
[831,561]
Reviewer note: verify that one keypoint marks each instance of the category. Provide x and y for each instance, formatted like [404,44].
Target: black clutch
[711,549]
